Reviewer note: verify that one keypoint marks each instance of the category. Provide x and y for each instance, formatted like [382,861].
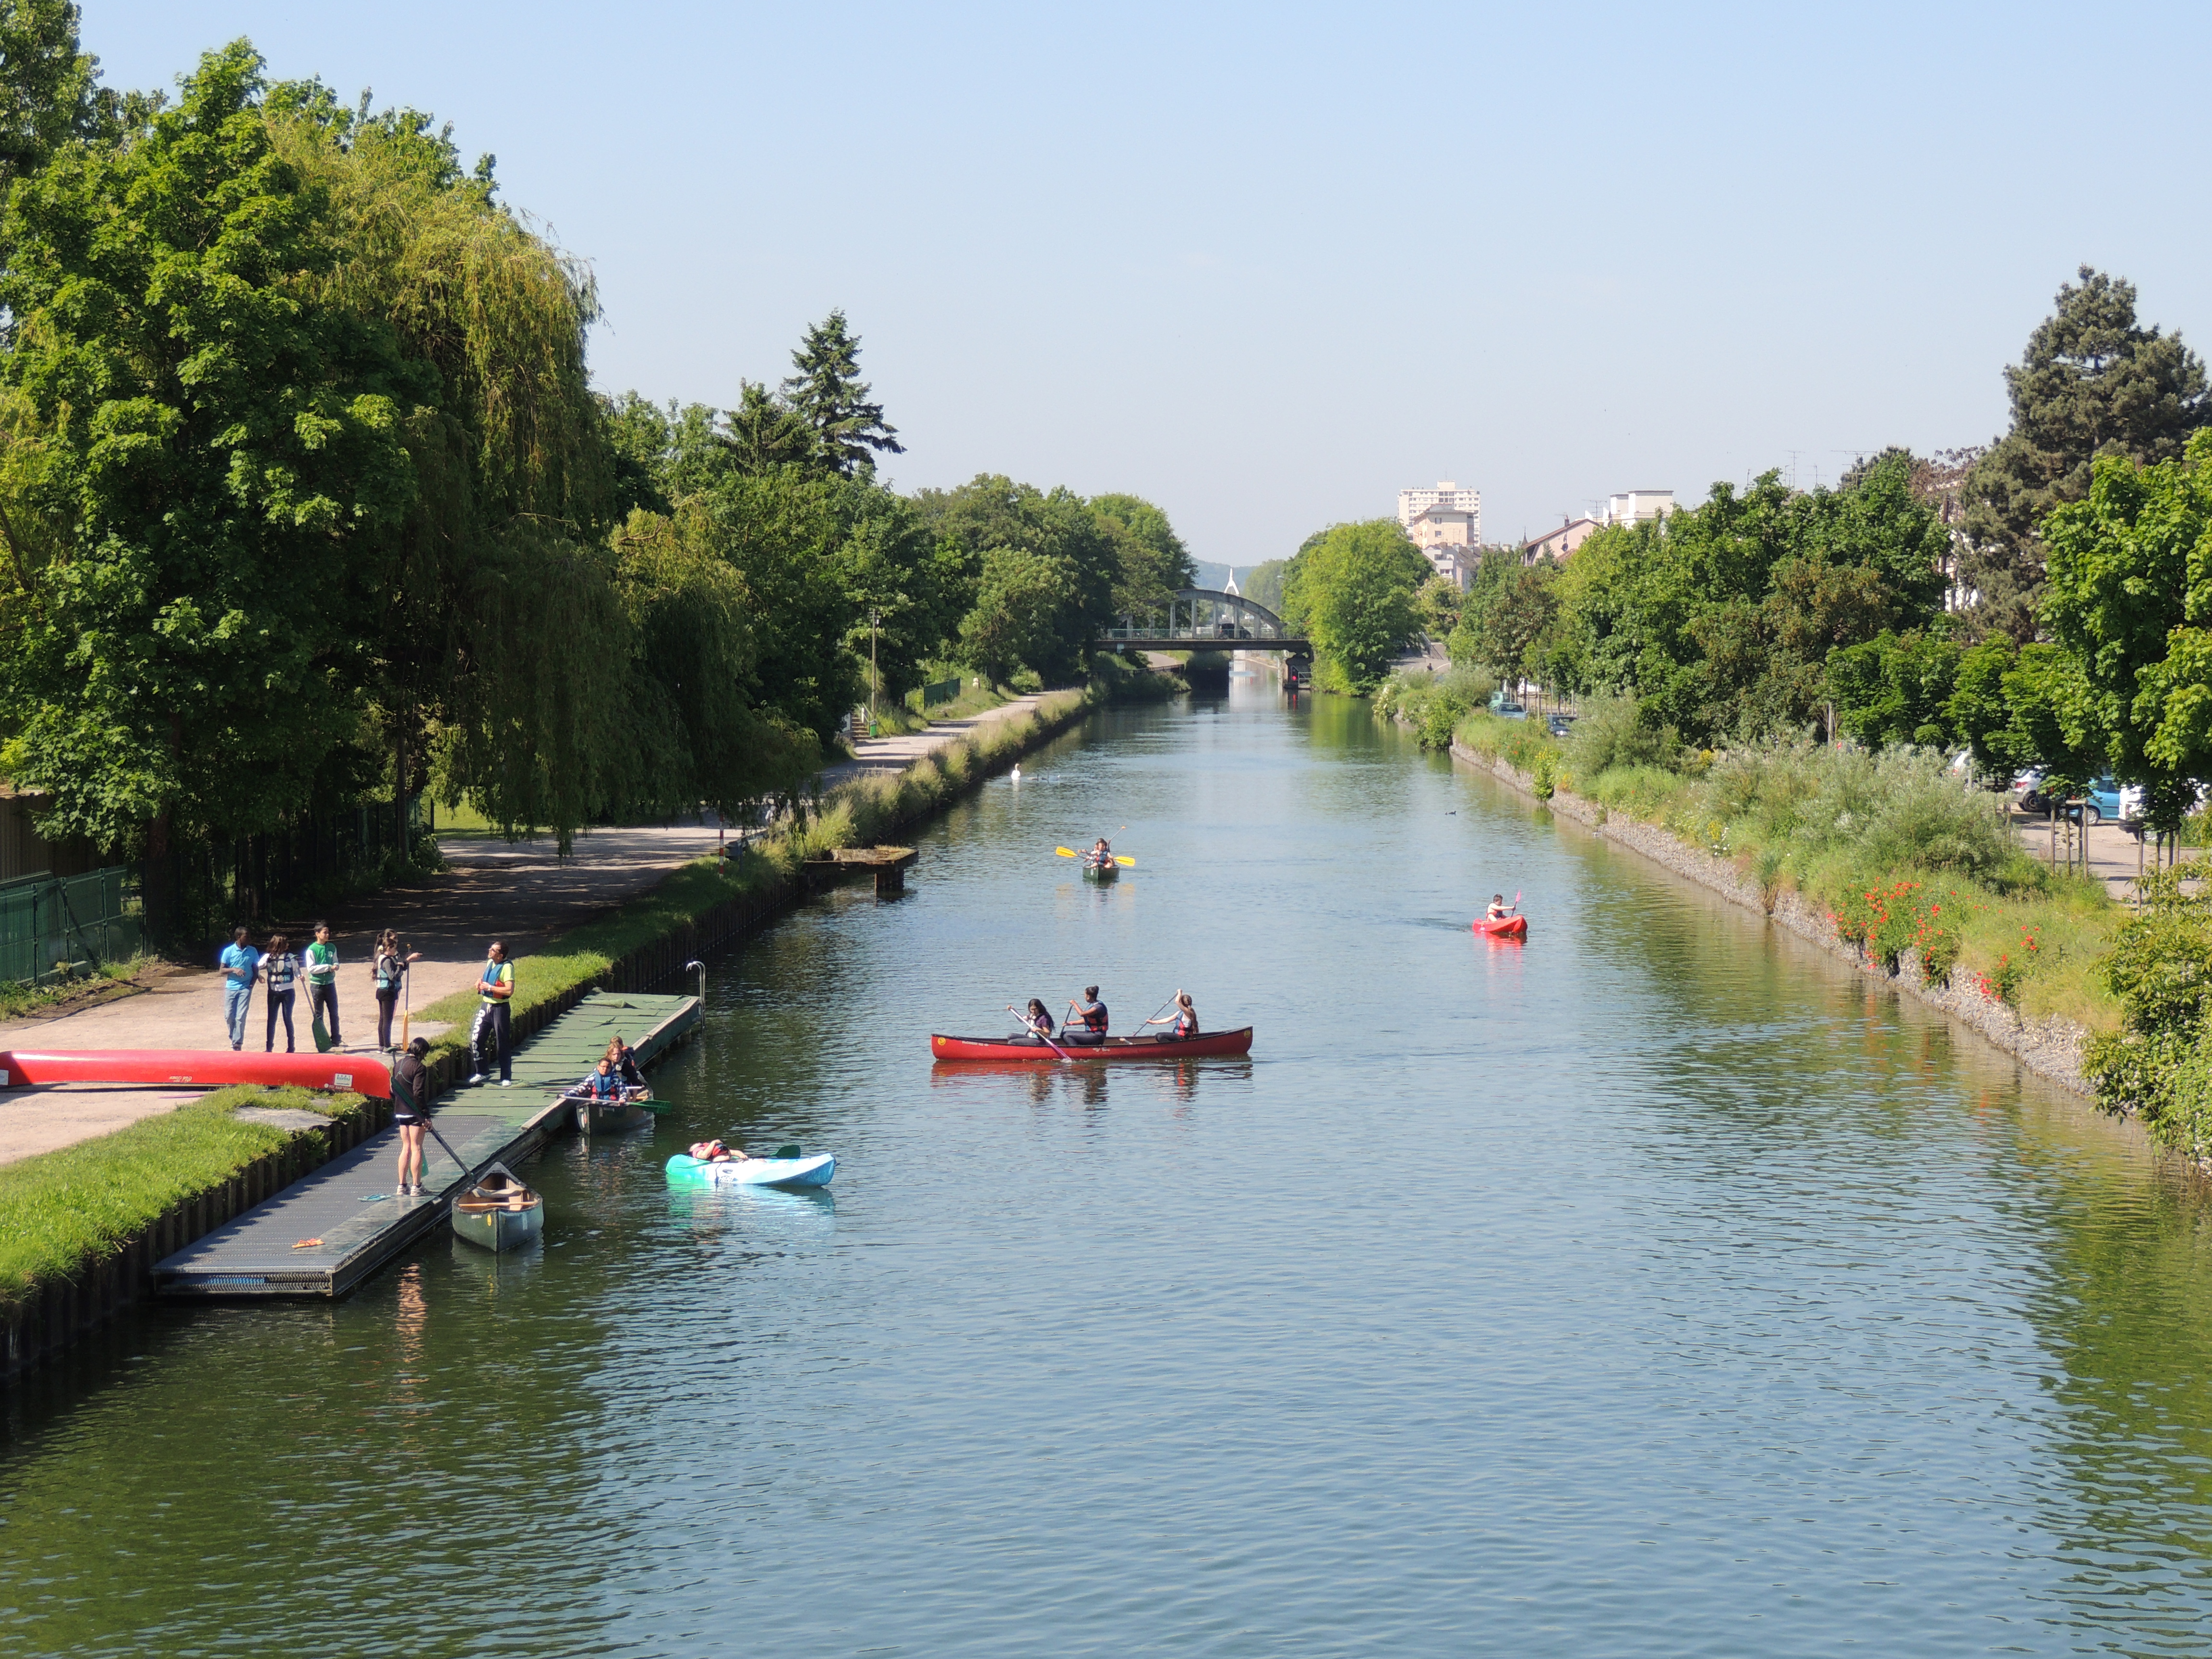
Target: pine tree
[829,395]
[2092,382]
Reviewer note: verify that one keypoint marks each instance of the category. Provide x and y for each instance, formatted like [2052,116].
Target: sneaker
[475,1076]
[506,1083]
[402,1190]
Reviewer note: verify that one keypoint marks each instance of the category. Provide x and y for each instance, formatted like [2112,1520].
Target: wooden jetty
[331,1228]
[888,864]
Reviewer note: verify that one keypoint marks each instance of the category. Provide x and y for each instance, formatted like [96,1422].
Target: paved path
[874,757]
[2115,854]
[520,892]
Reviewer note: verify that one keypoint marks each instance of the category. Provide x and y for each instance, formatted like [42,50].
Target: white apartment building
[1635,506]
[1446,524]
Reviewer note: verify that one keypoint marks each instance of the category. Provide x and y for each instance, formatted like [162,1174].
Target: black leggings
[385,1002]
[280,1002]
[324,999]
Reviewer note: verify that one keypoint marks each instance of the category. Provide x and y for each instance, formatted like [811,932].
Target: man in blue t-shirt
[239,962]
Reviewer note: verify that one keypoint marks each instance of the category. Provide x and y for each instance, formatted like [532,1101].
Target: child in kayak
[1184,1019]
[1102,854]
[1498,908]
[714,1151]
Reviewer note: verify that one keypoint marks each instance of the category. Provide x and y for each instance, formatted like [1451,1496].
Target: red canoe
[1504,927]
[202,1068]
[1205,1045]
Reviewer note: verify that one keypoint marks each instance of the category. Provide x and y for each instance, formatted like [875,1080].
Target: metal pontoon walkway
[347,1204]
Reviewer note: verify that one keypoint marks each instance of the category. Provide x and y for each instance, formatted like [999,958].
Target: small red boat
[1504,927]
[200,1069]
[1205,1045]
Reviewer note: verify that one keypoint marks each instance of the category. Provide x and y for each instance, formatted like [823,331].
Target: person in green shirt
[495,990]
[323,982]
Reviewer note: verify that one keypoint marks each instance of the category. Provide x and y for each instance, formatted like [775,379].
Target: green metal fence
[51,927]
[943,691]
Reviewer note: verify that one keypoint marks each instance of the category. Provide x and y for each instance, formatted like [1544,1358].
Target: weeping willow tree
[544,673]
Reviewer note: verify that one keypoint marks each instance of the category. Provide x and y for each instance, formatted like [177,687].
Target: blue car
[2100,800]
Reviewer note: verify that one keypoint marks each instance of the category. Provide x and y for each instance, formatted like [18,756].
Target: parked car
[2025,791]
[1559,725]
[2099,801]
[2131,801]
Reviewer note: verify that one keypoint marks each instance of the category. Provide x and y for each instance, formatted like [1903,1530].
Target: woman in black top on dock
[410,1110]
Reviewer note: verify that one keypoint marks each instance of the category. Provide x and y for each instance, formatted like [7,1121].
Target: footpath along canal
[1660,1287]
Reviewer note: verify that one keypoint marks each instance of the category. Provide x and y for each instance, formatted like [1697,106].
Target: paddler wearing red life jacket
[1092,1013]
[1184,1019]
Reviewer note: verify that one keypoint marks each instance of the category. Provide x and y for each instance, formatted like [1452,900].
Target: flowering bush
[1908,915]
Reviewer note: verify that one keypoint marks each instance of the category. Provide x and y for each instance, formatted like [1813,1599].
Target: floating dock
[331,1228]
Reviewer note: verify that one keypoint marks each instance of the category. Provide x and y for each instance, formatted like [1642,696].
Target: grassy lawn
[61,1210]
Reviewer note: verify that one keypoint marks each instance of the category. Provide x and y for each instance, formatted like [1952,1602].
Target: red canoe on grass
[1205,1045]
[1504,927]
[202,1068]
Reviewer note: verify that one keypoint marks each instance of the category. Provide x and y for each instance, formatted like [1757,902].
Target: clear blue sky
[1266,265]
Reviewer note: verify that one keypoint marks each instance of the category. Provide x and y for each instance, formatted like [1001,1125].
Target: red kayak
[200,1068]
[1504,927]
[1205,1045]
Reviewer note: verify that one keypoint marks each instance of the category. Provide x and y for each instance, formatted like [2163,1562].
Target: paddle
[1069,853]
[1047,1041]
[468,1175]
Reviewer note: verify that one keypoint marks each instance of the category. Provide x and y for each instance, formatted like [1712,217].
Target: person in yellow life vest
[495,991]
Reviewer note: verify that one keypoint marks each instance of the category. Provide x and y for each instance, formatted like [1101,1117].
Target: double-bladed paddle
[1070,853]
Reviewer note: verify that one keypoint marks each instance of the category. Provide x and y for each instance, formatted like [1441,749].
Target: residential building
[1457,565]
[1446,516]
[1635,506]
[1561,542]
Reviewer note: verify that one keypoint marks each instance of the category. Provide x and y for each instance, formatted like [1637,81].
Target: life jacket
[603,1086]
[283,970]
[1093,1018]
[1186,1025]
[498,972]
[387,972]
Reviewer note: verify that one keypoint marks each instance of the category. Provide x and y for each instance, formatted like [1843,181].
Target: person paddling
[1091,1012]
[1102,854]
[601,1083]
[1036,1022]
[1498,908]
[1184,1019]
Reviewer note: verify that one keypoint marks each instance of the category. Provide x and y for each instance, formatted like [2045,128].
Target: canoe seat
[788,1151]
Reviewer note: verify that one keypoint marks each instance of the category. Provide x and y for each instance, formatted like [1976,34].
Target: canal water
[1657,1288]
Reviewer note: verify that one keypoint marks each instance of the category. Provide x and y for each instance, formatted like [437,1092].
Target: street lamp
[874,618]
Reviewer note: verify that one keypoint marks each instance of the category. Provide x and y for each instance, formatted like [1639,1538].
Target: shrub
[1611,733]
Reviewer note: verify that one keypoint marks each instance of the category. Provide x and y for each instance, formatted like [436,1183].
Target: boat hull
[495,1216]
[812,1171]
[611,1117]
[1020,1051]
[209,1068]
[1508,928]
[1101,871]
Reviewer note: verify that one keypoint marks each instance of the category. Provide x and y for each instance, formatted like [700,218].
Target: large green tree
[1351,590]
[49,90]
[1153,563]
[2129,596]
[2093,382]
[208,471]
[1720,619]
[1082,551]
[828,395]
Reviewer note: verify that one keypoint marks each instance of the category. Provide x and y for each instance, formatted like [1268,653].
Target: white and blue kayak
[813,1171]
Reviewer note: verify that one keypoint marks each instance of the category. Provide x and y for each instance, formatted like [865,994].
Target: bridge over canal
[1207,619]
